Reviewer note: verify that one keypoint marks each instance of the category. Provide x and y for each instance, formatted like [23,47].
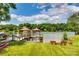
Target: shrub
[12,43]
[65,36]
[1,38]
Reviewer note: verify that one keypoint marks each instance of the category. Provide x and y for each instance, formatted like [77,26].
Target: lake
[55,36]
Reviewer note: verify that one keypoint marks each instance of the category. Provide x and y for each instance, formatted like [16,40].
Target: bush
[1,38]
[12,43]
[65,36]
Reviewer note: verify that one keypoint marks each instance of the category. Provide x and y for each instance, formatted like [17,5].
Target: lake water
[55,36]
[52,36]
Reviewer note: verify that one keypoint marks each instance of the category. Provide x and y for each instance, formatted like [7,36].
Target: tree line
[70,27]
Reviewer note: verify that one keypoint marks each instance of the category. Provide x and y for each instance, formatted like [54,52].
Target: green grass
[75,39]
[41,49]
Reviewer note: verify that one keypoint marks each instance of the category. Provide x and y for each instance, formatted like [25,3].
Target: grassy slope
[41,49]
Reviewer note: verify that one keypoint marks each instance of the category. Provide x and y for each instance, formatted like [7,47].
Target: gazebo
[36,29]
[36,32]
[24,29]
[37,35]
[25,32]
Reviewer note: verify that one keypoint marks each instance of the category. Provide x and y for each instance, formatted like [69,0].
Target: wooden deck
[34,38]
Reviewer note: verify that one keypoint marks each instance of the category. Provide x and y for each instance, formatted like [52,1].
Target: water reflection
[57,36]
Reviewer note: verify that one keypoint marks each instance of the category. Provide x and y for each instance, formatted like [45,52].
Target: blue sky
[25,9]
[37,13]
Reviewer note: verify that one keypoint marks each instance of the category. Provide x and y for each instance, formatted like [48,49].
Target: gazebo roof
[36,29]
[24,29]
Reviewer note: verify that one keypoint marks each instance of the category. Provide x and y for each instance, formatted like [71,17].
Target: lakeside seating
[63,42]
[53,42]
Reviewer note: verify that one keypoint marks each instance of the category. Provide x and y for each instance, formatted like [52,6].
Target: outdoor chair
[70,42]
[53,42]
[63,43]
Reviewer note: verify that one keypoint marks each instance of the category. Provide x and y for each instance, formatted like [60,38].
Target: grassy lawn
[40,49]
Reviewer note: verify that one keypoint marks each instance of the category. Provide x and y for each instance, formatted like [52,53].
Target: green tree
[5,11]
[74,18]
[65,36]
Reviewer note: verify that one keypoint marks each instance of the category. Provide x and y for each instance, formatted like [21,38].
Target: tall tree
[5,11]
[74,18]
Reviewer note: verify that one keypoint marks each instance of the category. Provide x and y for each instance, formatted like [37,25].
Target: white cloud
[63,11]
[54,5]
[14,16]
[37,19]
[60,8]
[4,23]
[74,8]
[55,11]
[41,5]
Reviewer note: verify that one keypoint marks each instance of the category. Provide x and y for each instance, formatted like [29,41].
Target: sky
[38,13]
